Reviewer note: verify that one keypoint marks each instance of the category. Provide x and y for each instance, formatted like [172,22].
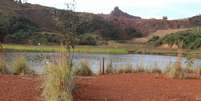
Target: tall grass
[176,71]
[126,69]
[58,83]
[19,66]
[84,69]
[2,65]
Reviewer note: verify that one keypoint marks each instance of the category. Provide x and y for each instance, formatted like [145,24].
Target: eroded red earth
[124,87]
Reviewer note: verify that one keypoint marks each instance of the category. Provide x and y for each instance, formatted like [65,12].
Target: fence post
[103,65]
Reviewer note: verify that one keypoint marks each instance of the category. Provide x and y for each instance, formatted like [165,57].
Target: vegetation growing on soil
[19,66]
[190,39]
[84,69]
[58,83]
[2,66]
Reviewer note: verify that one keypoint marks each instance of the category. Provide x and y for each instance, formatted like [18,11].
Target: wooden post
[103,65]
[100,67]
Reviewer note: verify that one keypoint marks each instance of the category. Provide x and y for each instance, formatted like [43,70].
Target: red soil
[19,88]
[125,87]
[136,87]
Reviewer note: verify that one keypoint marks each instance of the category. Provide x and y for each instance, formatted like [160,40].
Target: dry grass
[84,69]
[160,33]
[19,66]
[58,83]
[2,66]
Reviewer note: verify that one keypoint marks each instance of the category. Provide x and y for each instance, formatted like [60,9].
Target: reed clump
[175,72]
[84,69]
[127,69]
[19,66]
[2,66]
[110,69]
[58,83]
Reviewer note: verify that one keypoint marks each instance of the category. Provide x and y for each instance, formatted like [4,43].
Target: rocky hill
[146,26]
[117,24]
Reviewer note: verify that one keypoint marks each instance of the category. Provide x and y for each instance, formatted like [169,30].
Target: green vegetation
[106,29]
[19,66]
[79,49]
[174,72]
[84,70]
[2,66]
[190,39]
[127,69]
[58,83]
[110,69]
[16,29]
[156,70]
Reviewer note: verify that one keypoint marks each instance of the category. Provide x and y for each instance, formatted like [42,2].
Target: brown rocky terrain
[45,19]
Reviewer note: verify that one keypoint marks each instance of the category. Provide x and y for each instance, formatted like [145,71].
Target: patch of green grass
[79,49]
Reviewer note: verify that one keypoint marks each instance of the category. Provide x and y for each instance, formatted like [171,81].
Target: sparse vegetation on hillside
[190,39]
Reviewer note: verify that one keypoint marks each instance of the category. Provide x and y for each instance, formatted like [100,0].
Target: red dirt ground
[19,88]
[136,87]
[124,87]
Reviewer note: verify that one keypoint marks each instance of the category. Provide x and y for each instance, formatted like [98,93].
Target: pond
[37,61]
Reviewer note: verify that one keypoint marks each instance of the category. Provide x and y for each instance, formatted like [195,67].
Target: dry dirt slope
[160,33]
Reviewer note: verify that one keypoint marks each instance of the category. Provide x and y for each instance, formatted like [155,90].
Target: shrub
[2,66]
[58,83]
[20,66]
[176,73]
[190,39]
[127,69]
[84,69]
[156,70]
[88,39]
[110,69]
[139,69]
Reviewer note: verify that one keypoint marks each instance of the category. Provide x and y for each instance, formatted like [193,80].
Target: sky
[173,9]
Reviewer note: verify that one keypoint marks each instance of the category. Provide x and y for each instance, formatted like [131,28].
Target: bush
[2,66]
[176,73]
[190,39]
[127,69]
[84,70]
[156,70]
[88,39]
[58,83]
[20,66]
[110,69]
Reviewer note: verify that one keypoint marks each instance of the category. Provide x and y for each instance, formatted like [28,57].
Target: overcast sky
[174,9]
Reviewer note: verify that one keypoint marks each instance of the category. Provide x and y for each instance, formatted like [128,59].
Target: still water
[37,61]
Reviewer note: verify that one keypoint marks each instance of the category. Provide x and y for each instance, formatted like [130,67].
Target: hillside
[118,25]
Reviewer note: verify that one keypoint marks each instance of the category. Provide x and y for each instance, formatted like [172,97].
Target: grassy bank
[116,49]
[78,49]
